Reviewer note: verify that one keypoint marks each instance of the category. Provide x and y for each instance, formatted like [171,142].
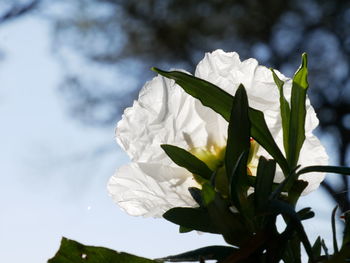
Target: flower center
[214,157]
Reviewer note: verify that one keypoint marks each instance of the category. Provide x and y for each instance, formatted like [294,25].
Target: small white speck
[83,256]
[89,208]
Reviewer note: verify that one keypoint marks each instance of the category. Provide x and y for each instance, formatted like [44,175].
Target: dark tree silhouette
[107,47]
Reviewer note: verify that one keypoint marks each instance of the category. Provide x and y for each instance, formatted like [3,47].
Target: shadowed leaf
[205,253]
[73,252]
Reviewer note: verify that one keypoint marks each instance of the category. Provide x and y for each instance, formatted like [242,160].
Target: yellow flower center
[214,157]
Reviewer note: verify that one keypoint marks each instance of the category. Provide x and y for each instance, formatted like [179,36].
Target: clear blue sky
[52,184]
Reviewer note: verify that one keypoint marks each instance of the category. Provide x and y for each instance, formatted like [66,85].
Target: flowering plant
[226,151]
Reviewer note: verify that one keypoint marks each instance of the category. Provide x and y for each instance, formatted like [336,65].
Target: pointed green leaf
[209,94]
[221,102]
[264,181]
[193,218]
[316,248]
[205,253]
[183,229]
[306,213]
[73,252]
[297,113]
[334,230]
[324,247]
[196,195]
[346,235]
[261,133]
[325,169]
[238,137]
[284,109]
[188,161]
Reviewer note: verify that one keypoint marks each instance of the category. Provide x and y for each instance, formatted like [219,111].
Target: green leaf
[325,169]
[284,110]
[234,230]
[334,231]
[246,252]
[264,182]
[285,209]
[238,188]
[285,185]
[261,133]
[325,249]
[192,218]
[306,213]
[296,132]
[346,235]
[196,195]
[205,253]
[73,252]
[316,248]
[188,161]
[221,102]
[209,94]
[296,190]
[238,135]
[183,229]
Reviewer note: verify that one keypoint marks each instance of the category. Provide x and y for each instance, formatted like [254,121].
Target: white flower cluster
[164,114]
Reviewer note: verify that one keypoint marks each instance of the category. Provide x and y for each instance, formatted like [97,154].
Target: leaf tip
[304,59]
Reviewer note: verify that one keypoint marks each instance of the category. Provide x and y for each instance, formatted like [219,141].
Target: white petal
[312,153]
[163,114]
[149,190]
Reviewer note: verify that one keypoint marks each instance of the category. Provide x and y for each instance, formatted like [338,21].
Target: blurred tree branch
[18,9]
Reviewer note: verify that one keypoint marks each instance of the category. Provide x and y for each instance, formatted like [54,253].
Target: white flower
[164,114]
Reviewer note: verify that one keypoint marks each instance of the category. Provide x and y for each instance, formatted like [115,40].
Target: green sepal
[221,102]
[208,194]
[205,253]
[188,161]
[296,134]
[71,251]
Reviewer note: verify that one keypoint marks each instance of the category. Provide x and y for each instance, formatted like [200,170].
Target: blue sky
[52,183]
